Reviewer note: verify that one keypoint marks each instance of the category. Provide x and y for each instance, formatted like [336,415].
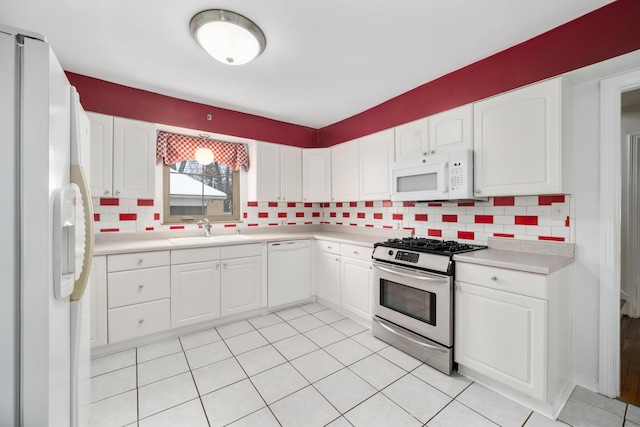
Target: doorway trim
[610,229]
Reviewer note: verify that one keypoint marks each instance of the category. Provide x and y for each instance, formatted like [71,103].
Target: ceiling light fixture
[228,37]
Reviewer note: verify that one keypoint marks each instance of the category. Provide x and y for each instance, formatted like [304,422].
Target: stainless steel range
[413,288]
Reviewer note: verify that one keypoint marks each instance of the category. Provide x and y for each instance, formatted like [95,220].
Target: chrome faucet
[207,227]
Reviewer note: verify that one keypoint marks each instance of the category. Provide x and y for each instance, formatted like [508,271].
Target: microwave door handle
[410,276]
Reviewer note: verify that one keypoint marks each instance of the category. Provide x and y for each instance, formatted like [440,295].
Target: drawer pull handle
[217,266]
[329,247]
[337,259]
[140,261]
[494,278]
[141,321]
[458,288]
[224,265]
[140,287]
[356,253]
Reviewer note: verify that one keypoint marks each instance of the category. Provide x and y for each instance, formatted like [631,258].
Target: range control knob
[390,253]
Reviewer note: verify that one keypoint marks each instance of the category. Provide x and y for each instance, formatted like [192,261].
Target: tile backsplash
[547,218]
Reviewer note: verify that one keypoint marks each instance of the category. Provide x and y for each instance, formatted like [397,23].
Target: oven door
[415,300]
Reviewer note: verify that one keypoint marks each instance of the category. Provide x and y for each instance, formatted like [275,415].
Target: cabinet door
[195,293]
[376,156]
[241,288]
[291,174]
[316,174]
[101,154]
[502,335]
[412,140]
[356,286]
[451,130]
[134,153]
[98,301]
[518,141]
[329,283]
[264,176]
[344,171]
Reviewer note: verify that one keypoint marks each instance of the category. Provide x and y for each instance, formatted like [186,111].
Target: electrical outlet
[559,211]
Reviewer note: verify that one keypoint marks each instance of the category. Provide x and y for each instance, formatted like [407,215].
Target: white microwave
[446,176]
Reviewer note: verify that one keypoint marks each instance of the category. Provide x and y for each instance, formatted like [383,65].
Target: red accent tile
[244,215]
[128,217]
[353,225]
[96,217]
[291,204]
[263,214]
[361,215]
[408,204]
[434,233]
[466,204]
[434,205]
[282,214]
[299,214]
[504,201]
[422,217]
[176,227]
[109,201]
[315,214]
[377,216]
[229,226]
[252,204]
[397,216]
[369,225]
[567,222]
[273,224]
[467,235]
[449,218]
[387,203]
[368,204]
[484,219]
[353,204]
[526,220]
[309,205]
[149,229]
[291,223]
[338,223]
[411,229]
[325,205]
[252,225]
[332,214]
[346,215]
[145,202]
[551,239]
[339,205]
[273,204]
[308,222]
[156,217]
[508,236]
[109,230]
[387,226]
[547,200]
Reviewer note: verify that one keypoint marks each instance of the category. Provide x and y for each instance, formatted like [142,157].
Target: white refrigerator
[47,240]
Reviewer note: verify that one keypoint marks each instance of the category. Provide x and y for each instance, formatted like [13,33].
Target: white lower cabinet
[98,301]
[195,292]
[355,293]
[329,277]
[241,285]
[513,330]
[137,320]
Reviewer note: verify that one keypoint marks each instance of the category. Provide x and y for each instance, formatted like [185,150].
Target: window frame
[183,219]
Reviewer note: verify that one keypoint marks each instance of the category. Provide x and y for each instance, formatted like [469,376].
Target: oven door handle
[407,337]
[419,275]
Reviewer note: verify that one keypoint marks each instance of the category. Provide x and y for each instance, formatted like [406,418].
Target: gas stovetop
[422,253]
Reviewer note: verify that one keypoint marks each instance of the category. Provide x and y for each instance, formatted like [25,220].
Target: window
[193,192]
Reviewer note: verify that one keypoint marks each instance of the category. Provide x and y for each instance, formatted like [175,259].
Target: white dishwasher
[289,272]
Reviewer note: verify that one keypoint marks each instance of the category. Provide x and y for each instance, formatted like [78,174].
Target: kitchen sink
[207,240]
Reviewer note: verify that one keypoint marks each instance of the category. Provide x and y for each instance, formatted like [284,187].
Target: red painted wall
[109,98]
[602,34]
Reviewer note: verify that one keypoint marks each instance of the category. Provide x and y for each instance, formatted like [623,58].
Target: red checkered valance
[174,148]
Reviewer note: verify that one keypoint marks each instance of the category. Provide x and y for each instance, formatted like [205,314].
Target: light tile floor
[307,366]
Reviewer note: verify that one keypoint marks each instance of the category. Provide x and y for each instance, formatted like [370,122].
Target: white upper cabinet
[316,170]
[344,172]
[519,143]
[375,159]
[122,157]
[275,172]
[446,131]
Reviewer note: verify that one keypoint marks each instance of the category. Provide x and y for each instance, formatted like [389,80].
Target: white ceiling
[324,61]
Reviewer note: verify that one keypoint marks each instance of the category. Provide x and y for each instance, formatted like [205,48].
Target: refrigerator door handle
[78,177]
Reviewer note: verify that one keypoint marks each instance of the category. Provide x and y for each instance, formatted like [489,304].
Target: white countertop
[529,256]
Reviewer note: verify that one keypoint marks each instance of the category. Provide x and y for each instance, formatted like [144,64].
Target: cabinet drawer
[137,260]
[240,251]
[138,320]
[518,282]
[331,247]
[136,286]
[358,252]
[187,256]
